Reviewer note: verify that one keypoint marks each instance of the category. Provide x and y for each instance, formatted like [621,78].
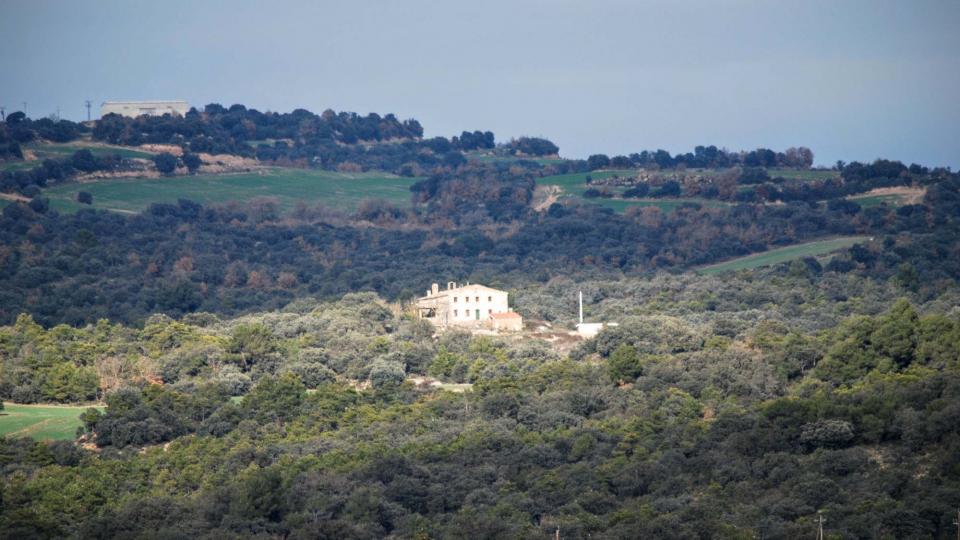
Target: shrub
[384,374]
[165,162]
[624,364]
[312,374]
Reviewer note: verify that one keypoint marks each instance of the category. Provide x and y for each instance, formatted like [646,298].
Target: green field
[288,186]
[573,186]
[784,254]
[42,422]
[54,150]
[665,205]
[484,157]
[576,183]
[870,201]
[801,174]
[18,165]
[45,150]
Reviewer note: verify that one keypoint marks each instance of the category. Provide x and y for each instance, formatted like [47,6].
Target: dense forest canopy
[670,425]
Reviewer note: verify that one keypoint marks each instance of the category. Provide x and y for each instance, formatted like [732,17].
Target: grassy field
[573,185]
[665,205]
[876,200]
[784,254]
[53,150]
[869,201]
[17,165]
[801,174]
[576,183]
[288,186]
[45,150]
[488,158]
[42,422]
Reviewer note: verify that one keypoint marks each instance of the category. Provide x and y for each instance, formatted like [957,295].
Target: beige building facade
[134,109]
[472,306]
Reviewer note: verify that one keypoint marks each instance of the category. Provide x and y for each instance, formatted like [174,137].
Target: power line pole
[957,523]
[3,113]
[820,526]
[24,108]
[87,103]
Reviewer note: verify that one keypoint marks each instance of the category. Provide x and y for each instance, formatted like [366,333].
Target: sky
[852,80]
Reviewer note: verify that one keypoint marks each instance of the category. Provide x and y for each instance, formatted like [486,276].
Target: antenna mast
[581,307]
[24,108]
[87,103]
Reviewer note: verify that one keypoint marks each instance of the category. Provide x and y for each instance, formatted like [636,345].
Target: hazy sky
[849,79]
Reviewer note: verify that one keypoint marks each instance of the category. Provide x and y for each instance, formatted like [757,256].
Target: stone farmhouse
[468,306]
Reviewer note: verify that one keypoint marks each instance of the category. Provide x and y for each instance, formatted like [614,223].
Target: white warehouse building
[133,109]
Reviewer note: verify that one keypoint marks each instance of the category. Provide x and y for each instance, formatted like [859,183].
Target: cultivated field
[802,174]
[784,254]
[36,152]
[665,205]
[573,185]
[41,422]
[288,186]
[486,157]
[892,196]
[576,183]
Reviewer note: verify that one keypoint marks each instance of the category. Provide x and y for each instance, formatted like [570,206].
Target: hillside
[288,186]
[260,419]
[233,291]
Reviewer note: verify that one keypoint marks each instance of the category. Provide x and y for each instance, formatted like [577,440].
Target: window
[478,299]
[454,299]
[466,298]
[489,312]
[454,313]
[489,299]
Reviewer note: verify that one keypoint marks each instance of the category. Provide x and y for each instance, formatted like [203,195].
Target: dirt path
[14,197]
[545,196]
[910,195]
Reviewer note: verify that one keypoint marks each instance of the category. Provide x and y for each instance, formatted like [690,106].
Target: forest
[252,372]
[686,421]
[182,258]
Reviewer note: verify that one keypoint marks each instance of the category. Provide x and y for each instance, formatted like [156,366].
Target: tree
[801,157]
[624,364]
[385,374]
[165,162]
[84,197]
[896,335]
[251,343]
[598,161]
[827,433]
[16,117]
[276,398]
[84,160]
[312,374]
[192,162]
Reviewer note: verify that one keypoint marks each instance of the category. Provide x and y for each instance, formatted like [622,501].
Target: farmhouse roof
[143,102]
[507,315]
